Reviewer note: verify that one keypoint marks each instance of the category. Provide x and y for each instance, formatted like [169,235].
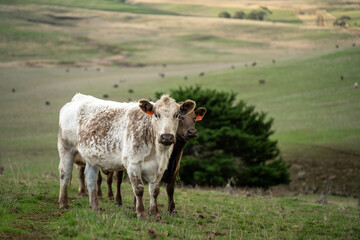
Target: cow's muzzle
[191,133]
[167,139]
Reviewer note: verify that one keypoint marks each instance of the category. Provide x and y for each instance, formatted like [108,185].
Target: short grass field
[51,50]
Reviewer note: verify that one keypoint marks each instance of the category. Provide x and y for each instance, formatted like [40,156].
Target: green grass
[29,209]
[106,5]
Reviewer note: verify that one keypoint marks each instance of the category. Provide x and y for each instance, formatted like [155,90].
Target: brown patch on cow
[140,129]
[98,127]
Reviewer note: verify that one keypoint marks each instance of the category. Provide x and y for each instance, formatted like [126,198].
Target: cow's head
[166,114]
[186,129]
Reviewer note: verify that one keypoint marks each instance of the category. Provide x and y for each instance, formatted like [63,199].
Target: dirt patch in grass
[315,164]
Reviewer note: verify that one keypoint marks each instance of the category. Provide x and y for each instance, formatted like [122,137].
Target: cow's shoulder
[139,129]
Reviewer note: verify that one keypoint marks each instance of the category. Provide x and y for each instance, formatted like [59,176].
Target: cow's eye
[157,115]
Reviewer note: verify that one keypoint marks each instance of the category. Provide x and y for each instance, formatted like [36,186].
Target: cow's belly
[104,161]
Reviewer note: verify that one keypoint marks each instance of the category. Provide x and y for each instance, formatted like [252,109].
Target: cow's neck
[174,159]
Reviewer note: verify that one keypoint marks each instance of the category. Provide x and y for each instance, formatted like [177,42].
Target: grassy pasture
[316,115]
[278,15]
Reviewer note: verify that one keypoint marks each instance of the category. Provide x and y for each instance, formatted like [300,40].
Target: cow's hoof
[157,218]
[174,213]
[83,194]
[63,207]
[118,204]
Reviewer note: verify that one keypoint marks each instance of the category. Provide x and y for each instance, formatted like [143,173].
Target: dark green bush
[256,15]
[224,15]
[233,141]
[239,15]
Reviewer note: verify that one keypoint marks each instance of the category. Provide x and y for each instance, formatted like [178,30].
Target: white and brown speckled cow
[136,137]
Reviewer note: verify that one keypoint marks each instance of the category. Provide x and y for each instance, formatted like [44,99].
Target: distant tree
[256,15]
[233,141]
[239,15]
[224,15]
[341,21]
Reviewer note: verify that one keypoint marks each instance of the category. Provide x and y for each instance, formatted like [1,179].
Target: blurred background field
[50,50]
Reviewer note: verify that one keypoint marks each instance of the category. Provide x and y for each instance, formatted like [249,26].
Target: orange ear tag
[198,118]
[149,112]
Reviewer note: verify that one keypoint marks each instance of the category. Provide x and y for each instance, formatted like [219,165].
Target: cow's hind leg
[98,185]
[67,154]
[119,177]
[91,173]
[154,191]
[81,174]
[109,180]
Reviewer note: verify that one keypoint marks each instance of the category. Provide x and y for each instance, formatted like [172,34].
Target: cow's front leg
[138,189]
[154,191]
[170,187]
[91,173]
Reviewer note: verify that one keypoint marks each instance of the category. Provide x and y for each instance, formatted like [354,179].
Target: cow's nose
[191,133]
[167,139]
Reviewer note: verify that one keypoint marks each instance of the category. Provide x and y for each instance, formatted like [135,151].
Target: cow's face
[166,114]
[186,129]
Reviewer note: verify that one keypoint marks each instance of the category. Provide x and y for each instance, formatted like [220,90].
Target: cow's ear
[146,106]
[187,107]
[200,113]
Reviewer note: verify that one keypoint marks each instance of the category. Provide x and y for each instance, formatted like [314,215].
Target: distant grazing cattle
[161,75]
[186,131]
[273,61]
[105,96]
[47,103]
[113,136]
[201,74]
[253,64]
[261,81]
[130,90]
[342,77]
[337,46]
[356,85]
[116,86]
[353,44]
[13,90]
